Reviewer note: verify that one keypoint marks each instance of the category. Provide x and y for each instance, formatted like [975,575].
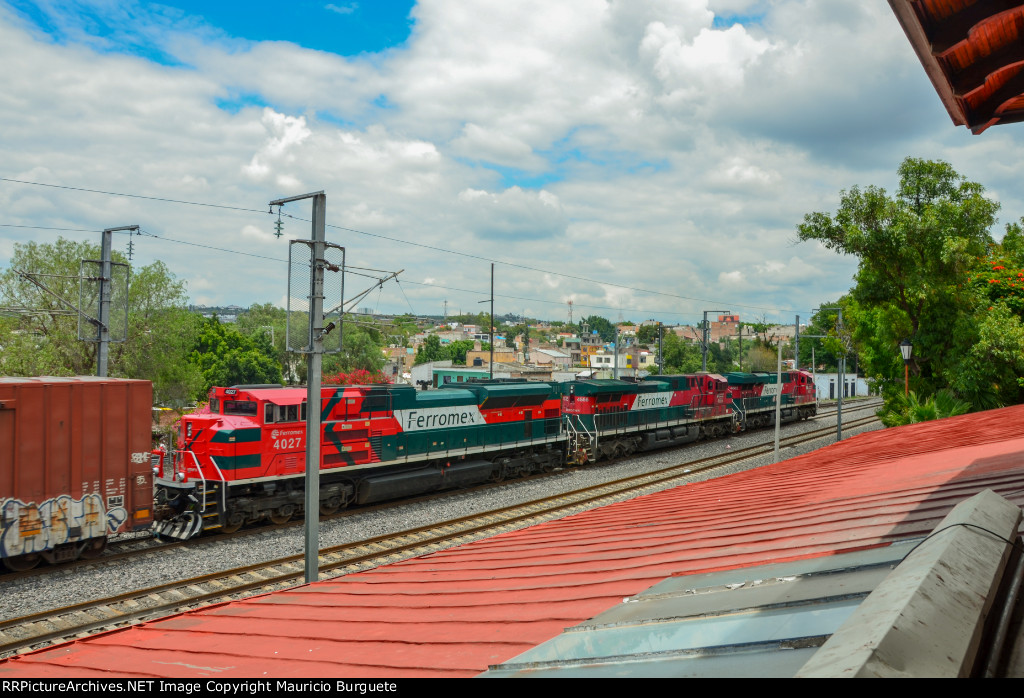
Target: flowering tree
[357,377]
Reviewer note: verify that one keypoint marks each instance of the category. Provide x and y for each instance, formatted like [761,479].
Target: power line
[133,196]
[354,270]
[403,242]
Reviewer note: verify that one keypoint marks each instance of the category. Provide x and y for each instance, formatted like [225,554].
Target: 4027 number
[284,444]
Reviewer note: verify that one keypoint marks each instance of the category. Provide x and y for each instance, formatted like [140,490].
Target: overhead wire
[402,242]
[352,270]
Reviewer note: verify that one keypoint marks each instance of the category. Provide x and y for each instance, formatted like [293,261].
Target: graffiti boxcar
[74,465]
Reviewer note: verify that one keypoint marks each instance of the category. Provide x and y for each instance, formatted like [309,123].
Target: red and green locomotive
[753,397]
[612,418]
[242,459]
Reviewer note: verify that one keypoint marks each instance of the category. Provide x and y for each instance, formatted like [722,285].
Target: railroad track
[34,631]
[141,546]
[120,550]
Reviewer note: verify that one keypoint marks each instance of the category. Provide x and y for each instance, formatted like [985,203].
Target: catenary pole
[778,398]
[106,271]
[314,365]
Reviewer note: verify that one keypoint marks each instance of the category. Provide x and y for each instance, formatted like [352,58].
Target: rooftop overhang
[973,52]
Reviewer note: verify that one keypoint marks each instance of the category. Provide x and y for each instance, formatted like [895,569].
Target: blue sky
[642,158]
[346,27]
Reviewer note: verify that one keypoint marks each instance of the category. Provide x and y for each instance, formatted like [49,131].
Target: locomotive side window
[284,413]
[215,405]
[376,403]
[244,408]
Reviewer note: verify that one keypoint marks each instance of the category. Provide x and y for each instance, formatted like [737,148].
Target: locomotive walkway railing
[202,478]
[576,433]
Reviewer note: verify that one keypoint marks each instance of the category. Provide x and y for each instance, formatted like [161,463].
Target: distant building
[590,344]
[544,357]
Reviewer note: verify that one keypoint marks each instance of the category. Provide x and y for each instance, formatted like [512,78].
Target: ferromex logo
[652,401]
[439,418]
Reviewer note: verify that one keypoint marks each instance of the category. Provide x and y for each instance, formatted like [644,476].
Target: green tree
[820,340]
[431,350]
[39,335]
[226,357]
[360,351]
[160,334]
[647,335]
[914,250]
[679,356]
[722,358]
[457,350]
[604,328]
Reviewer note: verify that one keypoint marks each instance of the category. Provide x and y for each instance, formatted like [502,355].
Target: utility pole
[739,340]
[491,364]
[796,348]
[615,356]
[778,400]
[103,349]
[842,377]
[661,355]
[314,350]
[707,339]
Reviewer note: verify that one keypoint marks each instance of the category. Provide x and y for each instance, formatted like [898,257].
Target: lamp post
[906,348]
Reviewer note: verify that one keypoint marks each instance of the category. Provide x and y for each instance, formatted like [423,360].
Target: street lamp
[906,348]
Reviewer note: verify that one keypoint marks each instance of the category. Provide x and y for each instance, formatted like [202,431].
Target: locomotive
[242,458]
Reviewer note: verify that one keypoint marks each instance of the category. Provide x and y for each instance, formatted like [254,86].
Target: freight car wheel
[94,549]
[22,563]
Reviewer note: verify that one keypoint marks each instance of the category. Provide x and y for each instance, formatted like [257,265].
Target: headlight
[180,477]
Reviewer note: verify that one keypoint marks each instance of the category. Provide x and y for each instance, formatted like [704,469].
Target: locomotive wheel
[22,563]
[329,506]
[282,515]
[232,522]
[94,549]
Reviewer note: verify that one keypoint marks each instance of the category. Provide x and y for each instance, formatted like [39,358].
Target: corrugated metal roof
[456,612]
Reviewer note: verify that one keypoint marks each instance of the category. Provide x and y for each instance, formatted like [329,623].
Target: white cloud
[286,133]
[511,215]
[635,142]
[342,9]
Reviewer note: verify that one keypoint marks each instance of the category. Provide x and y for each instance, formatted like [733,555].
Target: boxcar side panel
[74,464]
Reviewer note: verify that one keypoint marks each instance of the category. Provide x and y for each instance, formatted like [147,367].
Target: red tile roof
[456,612]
